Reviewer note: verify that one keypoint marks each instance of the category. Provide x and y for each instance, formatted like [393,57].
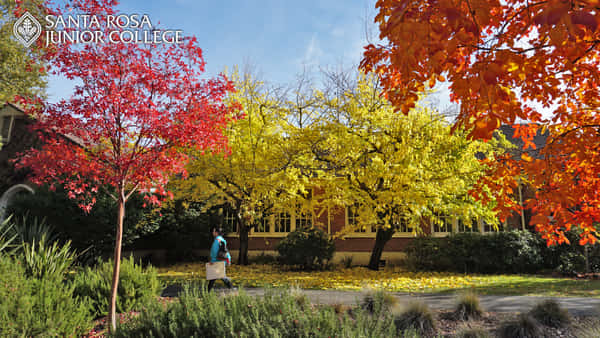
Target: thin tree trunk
[243,254]
[112,311]
[383,236]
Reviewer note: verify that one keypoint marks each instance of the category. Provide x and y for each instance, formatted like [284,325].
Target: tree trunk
[112,310]
[383,236]
[586,252]
[243,254]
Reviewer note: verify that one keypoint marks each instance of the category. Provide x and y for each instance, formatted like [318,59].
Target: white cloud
[313,52]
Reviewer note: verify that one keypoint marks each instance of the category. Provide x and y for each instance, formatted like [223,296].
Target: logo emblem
[27,29]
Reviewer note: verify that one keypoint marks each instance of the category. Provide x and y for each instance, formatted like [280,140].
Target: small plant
[524,326]
[467,307]
[32,229]
[550,314]
[306,248]
[137,286]
[300,298]
[45,260]
[411,333]
[339,308]
[588,332]
[376,302]
[347,262]
[416,316]
[7,236]
[472,332]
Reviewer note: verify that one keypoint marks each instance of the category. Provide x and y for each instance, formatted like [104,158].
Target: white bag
[215,270]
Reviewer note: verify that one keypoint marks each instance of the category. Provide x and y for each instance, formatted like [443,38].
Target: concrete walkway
[492,303]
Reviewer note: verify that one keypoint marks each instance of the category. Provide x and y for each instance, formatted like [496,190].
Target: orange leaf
[584,18]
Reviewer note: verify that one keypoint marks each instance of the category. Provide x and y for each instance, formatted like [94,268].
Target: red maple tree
[509,60]
[125,129]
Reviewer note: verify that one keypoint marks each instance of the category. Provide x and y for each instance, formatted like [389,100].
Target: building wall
[21,139]
[359,245]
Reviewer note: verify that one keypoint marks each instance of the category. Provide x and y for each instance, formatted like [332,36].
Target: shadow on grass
[535,286]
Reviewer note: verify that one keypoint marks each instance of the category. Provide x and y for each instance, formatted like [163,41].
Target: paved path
[492,303]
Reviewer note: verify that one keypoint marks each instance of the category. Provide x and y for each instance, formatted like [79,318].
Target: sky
[278,38]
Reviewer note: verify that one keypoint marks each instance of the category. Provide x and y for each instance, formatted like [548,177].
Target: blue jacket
[214,250]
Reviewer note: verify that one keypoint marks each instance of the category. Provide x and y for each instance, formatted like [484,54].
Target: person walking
[214,256]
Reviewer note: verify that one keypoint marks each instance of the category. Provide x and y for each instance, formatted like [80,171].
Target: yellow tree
[392,167]
[256,174]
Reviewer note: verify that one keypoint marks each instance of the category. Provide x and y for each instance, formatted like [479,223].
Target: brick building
[359,243]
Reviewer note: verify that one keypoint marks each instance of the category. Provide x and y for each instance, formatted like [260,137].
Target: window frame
[475,226]
[11,117]
[294,219]
[433,224]
[370,231]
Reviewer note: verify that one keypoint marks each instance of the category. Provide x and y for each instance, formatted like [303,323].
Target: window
[352,218]
[283,222]
[304,219]
[6,127]
[263,225]
[403,225]
[488,227]
[352,221]
[229,220]
[442,223]
[462,227]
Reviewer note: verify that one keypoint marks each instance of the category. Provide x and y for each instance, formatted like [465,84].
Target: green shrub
[263,258]
[47,260]
[306,248]
[409,334]
[550,314]
[7,236]
[588,332]
[137,286]
[378,302]
[467,307]
[181,227]
[416,316]
[32,229]
[569,259]
[31,307]
[524,326]
[347,262]
[277,314]
[94,231]
[503,252]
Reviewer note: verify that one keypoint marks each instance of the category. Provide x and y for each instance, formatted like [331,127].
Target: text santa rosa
[132,28]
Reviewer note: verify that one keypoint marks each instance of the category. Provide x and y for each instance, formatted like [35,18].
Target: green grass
[531,285]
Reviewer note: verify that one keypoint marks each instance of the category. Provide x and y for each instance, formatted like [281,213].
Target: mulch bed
[491,322]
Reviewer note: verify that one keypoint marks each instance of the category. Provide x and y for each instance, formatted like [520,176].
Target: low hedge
[502,252]
[306,248]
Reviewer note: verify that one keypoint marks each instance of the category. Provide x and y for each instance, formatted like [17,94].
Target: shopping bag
[215,270]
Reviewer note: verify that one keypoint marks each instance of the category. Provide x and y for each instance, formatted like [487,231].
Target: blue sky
[279,38]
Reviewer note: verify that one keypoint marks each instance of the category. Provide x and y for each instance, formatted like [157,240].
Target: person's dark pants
[227,281]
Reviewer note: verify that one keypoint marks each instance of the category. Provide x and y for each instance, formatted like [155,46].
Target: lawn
[392,279]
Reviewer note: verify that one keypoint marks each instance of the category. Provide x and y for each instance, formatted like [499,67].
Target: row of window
[284,222]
